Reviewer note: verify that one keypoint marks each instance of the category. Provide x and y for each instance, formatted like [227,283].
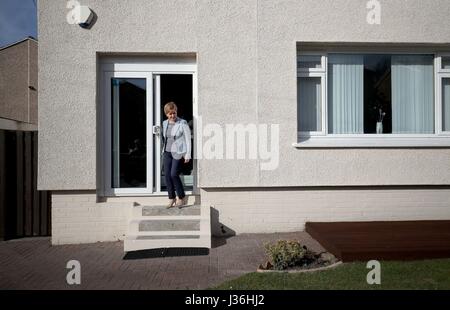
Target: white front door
[133,95]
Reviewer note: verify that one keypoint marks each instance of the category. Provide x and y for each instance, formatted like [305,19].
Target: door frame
[139,67]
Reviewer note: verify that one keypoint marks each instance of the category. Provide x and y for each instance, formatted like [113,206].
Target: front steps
[153,227]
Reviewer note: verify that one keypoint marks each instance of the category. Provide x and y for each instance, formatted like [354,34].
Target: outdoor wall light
[85,16]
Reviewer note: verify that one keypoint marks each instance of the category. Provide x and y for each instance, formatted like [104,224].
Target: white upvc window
[311,62]
[373,99]
[443,93]
[311,99]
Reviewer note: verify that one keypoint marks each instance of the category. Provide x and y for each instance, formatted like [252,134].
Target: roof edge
[18,42]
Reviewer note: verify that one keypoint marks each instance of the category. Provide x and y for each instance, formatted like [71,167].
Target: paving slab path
[34,264]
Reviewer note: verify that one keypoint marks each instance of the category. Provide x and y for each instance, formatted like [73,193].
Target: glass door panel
[129,126]
[128,142]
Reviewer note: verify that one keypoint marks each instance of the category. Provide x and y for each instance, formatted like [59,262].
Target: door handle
[156,130]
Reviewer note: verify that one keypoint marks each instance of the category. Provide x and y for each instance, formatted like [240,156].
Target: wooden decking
[363,241]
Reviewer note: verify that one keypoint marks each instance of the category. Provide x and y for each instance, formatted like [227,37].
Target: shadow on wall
[220,231]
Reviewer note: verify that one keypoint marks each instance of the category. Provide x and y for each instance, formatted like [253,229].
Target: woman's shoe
[170,204]
[181,202]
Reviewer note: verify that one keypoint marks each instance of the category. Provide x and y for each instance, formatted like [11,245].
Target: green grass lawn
[427,274]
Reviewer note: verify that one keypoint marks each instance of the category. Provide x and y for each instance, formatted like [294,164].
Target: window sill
[373,141]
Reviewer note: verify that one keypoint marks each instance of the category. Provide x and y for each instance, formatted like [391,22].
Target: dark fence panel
[19,184]
[2,184]
[24,211]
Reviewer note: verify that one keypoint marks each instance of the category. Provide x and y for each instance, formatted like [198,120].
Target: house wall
[83,217]
[18,70]
[288,209]
[282,24]
[68,75]
[80,217]
[246,60]
[246,53]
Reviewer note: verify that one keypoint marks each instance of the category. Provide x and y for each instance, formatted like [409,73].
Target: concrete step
[139,211]
[167,237]
[164,233]
[166,217]
[169,225]
[153,227]
[136,243]
[165,224]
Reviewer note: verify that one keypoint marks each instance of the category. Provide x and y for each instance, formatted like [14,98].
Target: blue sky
[18,20]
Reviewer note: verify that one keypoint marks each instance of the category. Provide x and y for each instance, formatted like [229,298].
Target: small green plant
[284,254]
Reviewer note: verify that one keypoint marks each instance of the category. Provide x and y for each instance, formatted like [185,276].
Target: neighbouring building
[18,85]
[24,211]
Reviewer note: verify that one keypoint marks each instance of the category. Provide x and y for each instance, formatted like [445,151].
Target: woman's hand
[186,160]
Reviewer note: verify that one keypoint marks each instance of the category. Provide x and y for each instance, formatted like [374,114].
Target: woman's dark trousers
[171,173]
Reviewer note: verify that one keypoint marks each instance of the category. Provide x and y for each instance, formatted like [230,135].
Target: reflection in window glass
[377,94]
[446,62]
[380,93]
[309,104]
[129,156]
[309,61]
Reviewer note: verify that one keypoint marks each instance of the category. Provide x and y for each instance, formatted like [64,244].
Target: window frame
[314,73]
[323,62]
[323,80]
[440,75]
[439,87]
[439,57]
[131,67]
[109,189]
[440,138]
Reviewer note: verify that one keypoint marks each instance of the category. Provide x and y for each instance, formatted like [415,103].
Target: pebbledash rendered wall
[246,66]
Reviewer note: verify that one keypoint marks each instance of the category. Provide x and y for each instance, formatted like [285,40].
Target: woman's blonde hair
[170,106]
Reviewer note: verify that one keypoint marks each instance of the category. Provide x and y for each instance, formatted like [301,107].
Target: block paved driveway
[33,263]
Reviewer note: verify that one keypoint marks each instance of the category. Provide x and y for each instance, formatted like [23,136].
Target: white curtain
[412,94]
[345,94]
[309,104]
[446,104]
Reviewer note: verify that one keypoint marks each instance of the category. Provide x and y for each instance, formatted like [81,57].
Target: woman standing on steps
[177,145]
